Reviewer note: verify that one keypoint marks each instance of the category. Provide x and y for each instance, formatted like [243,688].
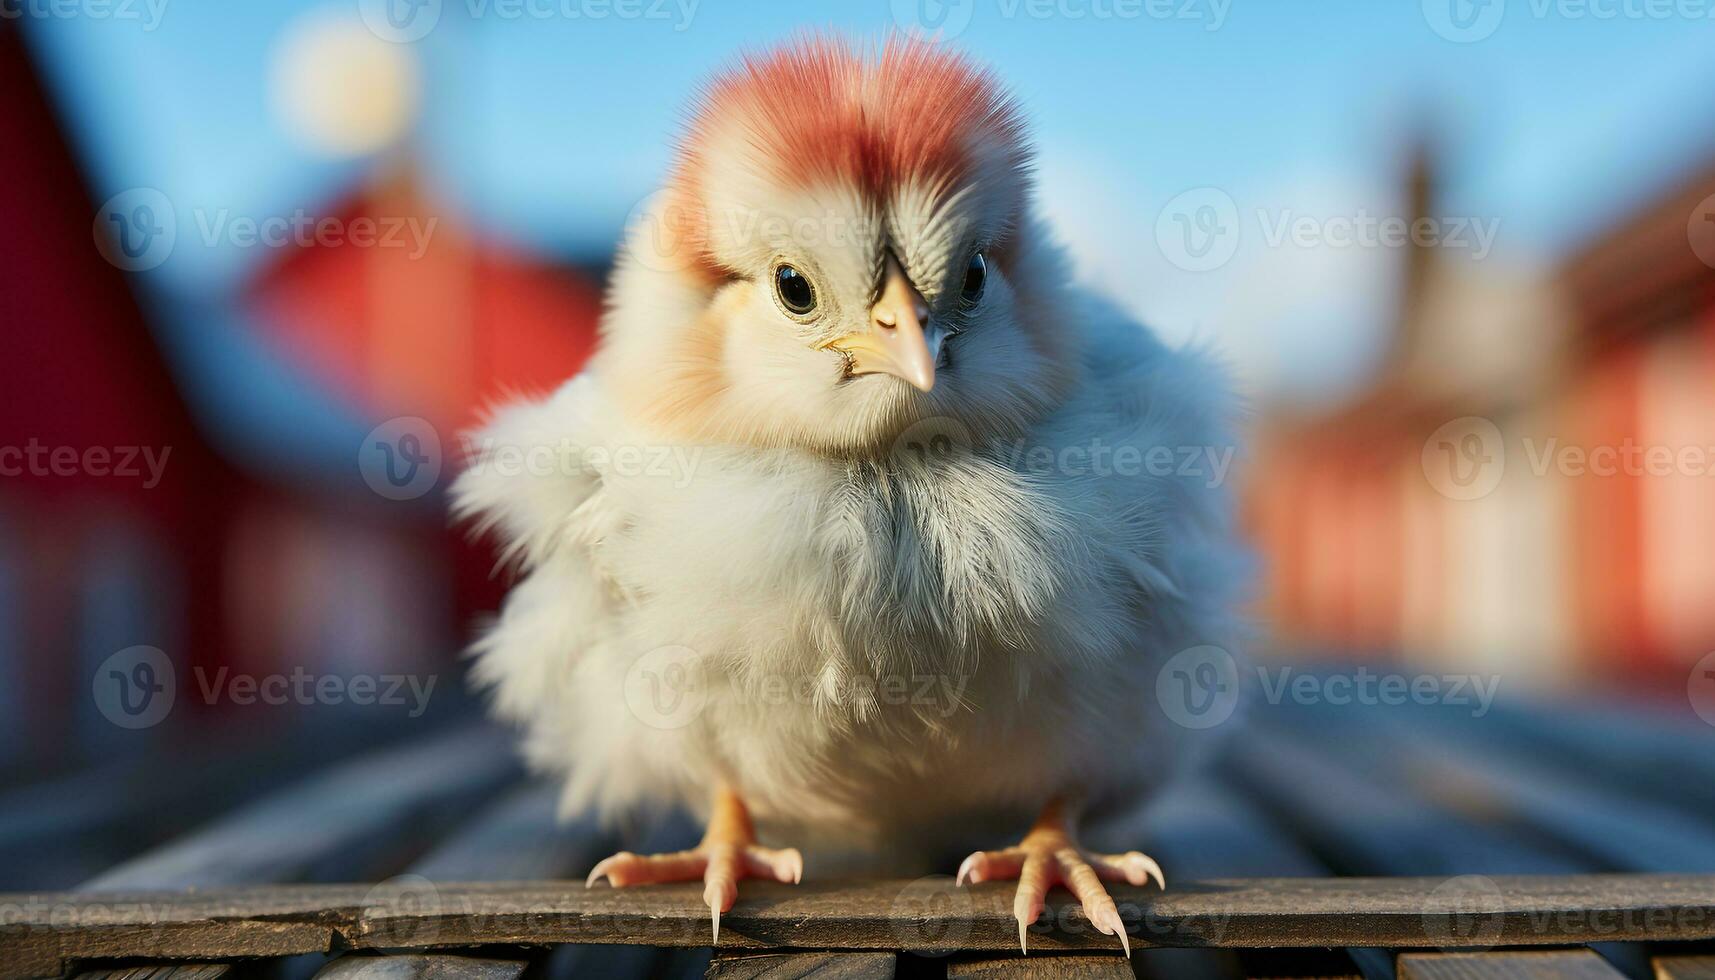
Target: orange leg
[727,853]
[1048,856]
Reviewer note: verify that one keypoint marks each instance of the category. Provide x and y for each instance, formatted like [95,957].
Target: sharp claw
[1023,947]
[598,871]
[1153,870]
[966,870]
[788,865]
[714,897]
[1107,920]
[1140,869]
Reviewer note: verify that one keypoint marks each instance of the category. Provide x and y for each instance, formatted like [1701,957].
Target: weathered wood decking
[43,933]
[1327,842]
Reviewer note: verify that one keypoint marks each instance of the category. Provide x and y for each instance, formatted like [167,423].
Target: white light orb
[340,89]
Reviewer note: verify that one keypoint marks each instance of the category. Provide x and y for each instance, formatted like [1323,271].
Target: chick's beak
[900,341]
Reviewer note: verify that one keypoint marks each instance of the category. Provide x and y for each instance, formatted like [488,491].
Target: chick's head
[853,253]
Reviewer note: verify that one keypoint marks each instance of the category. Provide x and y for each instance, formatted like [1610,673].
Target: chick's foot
[728,852]
[1048,856]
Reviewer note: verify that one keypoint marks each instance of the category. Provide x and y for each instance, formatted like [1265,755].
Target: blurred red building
[222,562]
[440,333]
[1529,486]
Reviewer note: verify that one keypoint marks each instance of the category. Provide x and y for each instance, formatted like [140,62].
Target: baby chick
[866,526]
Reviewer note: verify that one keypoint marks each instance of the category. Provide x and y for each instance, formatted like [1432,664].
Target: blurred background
[262,261]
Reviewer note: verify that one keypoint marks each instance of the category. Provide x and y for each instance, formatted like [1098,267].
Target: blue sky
[544,123]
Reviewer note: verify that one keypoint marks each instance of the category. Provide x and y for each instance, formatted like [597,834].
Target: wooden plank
[358,818]
[1041,968]
[57,833]
[1572,964]
[43,931]
[1384,801]
[168,971]
[1685,967]
[1618,831]
[1605,741]
[517,838]
[1200,827]
[423,966]
[791,966]
[1345,794]
[676,833]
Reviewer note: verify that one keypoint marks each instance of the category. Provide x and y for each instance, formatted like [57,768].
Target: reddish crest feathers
[819,108]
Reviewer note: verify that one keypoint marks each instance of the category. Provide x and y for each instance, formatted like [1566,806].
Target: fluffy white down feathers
[890,640]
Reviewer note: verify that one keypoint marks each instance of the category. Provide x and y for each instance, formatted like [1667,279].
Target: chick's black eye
[795,291]
[976,274]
